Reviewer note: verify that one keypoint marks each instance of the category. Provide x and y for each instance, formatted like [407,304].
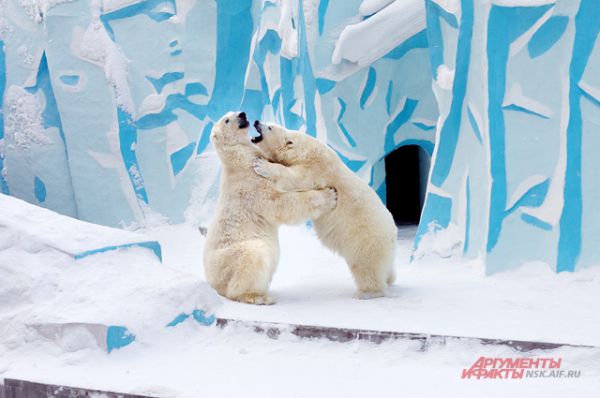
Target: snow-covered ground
[433,295]
[313,286]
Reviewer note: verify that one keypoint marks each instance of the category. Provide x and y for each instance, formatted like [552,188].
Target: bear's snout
[257,126]
[242,120]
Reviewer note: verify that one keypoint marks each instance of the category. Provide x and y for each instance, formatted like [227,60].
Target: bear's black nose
[242,121]
[256,123]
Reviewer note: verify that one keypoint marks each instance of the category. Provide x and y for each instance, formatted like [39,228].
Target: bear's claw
[261,168]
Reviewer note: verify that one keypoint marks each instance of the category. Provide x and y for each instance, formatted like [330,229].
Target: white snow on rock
[45,294]
[23,119]
[75,238]
[366,41]
[445,77]
[37,9]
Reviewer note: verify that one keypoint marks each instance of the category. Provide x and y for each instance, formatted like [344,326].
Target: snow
[365,42]
[67,235]
[48,288]
[36,9]
[313,286]
[445,77]
[431,295]
[23,119]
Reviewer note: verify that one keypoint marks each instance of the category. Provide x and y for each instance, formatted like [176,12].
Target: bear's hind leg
[372,276]
[252,276]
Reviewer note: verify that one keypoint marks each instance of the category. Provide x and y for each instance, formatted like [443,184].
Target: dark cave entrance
[406,171]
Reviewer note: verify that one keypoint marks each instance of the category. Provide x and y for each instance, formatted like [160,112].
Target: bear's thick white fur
[242,248]
[360,228]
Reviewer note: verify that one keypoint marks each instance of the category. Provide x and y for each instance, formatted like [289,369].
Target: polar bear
[241,250]
[360,228]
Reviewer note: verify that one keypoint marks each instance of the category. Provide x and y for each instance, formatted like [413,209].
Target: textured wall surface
[515,169]
[107,108]
[108,105]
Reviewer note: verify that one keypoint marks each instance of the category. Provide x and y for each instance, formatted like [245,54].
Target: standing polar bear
[360,228]
[242,248]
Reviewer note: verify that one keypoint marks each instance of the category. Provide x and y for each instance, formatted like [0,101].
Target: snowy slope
[49,290]
[68,235]
[431,295]
[312,286]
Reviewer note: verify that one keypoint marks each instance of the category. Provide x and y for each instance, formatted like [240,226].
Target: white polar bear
[360,228]
[242,248]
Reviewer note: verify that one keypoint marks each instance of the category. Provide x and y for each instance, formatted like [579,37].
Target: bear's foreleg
[296,207]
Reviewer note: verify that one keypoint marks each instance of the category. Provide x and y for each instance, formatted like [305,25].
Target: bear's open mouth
[259,137]
[244,123]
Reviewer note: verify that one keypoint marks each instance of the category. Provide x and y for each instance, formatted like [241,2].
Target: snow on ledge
[76,238]
[365,42]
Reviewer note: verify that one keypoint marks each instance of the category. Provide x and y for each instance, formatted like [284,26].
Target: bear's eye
[269,128]
[226,121]
[289,143]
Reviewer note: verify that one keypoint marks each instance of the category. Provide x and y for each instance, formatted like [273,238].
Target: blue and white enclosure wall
[108,104]
[516,171]
[107,107]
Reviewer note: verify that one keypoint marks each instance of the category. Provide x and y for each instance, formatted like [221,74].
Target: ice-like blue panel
[369,86]
[435,216]
[118,337]
[133,89]
[518,20]
[181,157]
[167,78]
[401,118]
[70,80]
[515,168]
[39,188]
[547,35]
[449,132]
[587,27]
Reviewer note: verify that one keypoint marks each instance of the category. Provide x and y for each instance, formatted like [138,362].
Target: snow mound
[76,238]
[49,291]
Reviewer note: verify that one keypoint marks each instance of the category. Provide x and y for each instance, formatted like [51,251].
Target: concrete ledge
[28,389]
[343,335]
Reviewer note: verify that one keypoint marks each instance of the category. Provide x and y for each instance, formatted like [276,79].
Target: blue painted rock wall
[515,168]
[108,105]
